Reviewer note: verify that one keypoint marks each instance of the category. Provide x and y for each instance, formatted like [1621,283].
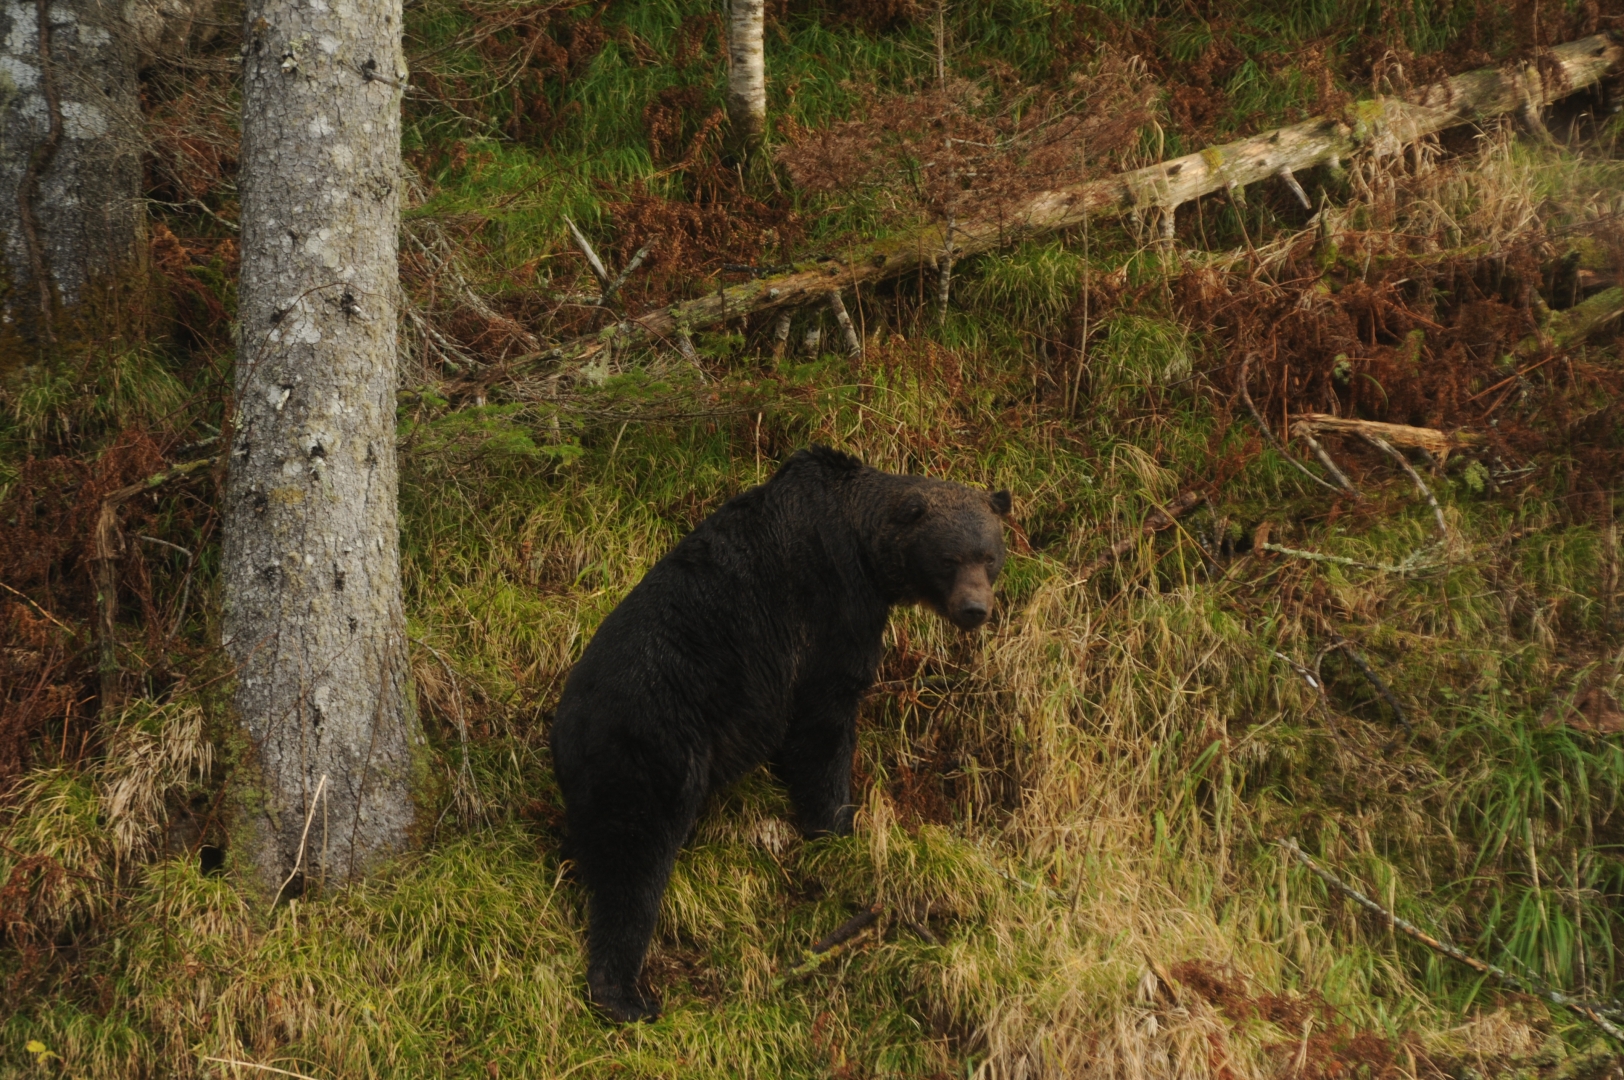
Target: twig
[1159,519]
[1268,434]
[256,1065]
[1408,566]
[1330,466]
[299,859]
[1285,173]
[37,608]
[1421,485]
[944,273]
[854,344]
[832,944]
[593,263]
[1375,680]
[613,287]
[186,587]
[1409,929]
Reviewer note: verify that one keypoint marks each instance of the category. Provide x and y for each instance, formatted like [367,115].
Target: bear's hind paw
[625,1007]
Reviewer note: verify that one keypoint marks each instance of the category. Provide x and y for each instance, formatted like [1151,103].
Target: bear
[751,642]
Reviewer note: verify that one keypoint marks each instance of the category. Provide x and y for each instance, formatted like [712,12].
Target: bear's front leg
[815,763]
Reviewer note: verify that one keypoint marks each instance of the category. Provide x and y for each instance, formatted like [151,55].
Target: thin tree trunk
[71,218]
[1383,126]
[746,75]
[314,618]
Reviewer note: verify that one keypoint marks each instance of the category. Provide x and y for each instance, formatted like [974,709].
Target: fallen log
[1381,125]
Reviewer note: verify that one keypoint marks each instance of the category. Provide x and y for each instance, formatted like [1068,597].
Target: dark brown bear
[751,641]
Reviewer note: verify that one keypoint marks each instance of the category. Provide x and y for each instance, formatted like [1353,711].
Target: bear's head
[952,547]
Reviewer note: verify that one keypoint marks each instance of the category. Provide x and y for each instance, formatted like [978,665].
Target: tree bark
[1382,125]
[746,75]
[313,612]
[71,217]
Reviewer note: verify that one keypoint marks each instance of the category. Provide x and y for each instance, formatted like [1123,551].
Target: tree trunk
[746,75]
[71,217]
[313,612]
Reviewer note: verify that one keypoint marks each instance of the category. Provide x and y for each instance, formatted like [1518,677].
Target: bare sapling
[746,75]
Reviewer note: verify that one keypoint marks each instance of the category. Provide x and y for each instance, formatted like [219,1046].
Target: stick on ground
[1268,433]
[1410,930]
[832,943]
[1159,519]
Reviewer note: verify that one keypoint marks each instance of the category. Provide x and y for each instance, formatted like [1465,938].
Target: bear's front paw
[624,1006]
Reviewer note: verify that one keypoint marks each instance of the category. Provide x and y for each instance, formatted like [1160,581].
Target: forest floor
[1073,820]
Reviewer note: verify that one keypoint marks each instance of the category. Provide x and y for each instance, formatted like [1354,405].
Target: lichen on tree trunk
[313,610]
[71,217]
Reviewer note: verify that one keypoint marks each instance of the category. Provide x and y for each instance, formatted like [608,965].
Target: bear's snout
[971,599]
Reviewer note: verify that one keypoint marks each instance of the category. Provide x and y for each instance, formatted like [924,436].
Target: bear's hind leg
[625,860]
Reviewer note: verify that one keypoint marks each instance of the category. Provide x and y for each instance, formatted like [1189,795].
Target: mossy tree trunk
[746,75]
[71,218]
[313,611]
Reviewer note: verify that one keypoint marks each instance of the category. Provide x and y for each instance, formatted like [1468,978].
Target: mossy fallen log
[1379,125]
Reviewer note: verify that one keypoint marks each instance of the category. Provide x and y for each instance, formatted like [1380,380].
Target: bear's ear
[914,507]
[1000,502]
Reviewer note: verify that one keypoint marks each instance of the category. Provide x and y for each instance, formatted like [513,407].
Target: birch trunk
[746,75]
[314,619]
[71,217]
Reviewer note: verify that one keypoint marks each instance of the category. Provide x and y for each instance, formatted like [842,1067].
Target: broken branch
[832,943]
[1268,434]
[1429,439]
[1159,519]
[1420,485]
[1410,930]
[593,263]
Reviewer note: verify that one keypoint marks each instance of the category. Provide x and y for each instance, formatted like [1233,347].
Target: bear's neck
[871,501]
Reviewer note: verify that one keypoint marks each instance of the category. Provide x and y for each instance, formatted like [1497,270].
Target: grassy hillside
[1072,818]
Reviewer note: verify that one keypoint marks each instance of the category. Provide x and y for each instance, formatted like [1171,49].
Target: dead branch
[1420,485]
[1161,518]
[831,944]
[1330,466]
[1381,125]
[1376,681]
[593,263]
[1570,327]
[608,293]
[1410,930]
[1268,434]
[1432,440]
[109,545]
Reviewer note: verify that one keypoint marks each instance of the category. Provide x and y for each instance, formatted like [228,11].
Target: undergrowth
[1072,820]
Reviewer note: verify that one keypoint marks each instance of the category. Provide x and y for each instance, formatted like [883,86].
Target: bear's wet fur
[751,641]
